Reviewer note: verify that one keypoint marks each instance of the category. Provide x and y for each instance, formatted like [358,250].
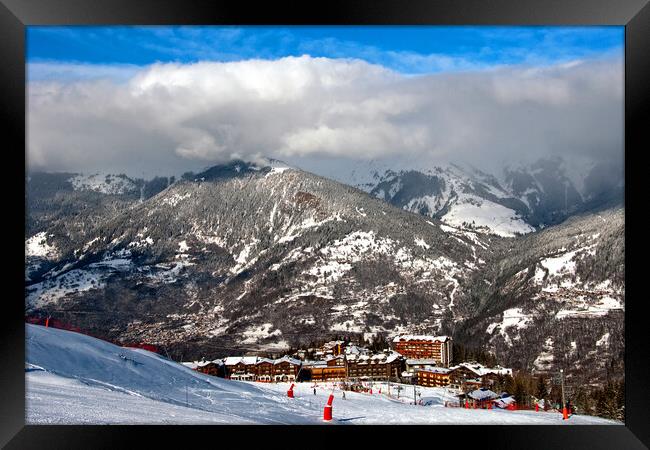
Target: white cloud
[173,117]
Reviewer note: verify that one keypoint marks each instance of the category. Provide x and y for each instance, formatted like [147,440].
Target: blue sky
[406,49]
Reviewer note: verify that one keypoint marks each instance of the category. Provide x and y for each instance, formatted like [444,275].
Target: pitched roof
[232,360]
[288,359]
[264,360]
[249,359]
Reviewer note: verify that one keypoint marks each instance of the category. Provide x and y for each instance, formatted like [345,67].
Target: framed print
[370,218]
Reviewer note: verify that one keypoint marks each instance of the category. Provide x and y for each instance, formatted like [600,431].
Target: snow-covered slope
[516,200]
[76,379]
[217,256]
[104,183]
[461,197]
[250,257]
[557,298]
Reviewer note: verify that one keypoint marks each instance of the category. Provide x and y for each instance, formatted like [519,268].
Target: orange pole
[327,411]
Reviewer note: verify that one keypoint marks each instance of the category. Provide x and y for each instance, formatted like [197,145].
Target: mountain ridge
[270,257]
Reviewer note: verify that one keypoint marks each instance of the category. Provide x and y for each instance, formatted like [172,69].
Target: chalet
[214,368]
[264,370]
[381,366]
[408,377]
[415,364]
[332,369]
[481,398]
[437,348]
[241,367]
[433,376]
[464,378]
[472,375]
[286,369]
[504,400]
[481,370]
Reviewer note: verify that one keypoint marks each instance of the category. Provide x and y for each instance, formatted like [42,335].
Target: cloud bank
[167,118]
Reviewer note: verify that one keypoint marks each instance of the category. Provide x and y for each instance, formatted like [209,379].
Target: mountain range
[248,257]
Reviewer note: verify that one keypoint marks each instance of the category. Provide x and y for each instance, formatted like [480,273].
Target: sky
[149,100]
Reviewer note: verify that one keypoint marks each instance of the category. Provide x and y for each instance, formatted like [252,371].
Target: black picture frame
[15,15]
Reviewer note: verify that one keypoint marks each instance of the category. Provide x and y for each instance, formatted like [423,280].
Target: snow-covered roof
[265,360]
[421,337]
[204,363]
[442,370]
[190,364]
[481,370]
[377,358]
[504,401]
[356,350]
[288,359]
[416,362]
[483,394]
[249,360]
[392,357]
[232,360]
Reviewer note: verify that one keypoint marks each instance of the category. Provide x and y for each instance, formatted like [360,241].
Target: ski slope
[76,379]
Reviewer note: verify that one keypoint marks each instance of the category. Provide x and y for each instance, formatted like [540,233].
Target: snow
[545,358]
[175,199]
[513,317]
[420,242]
[294,231]
[420,337]
[253,335]
[483,213]
[603,341]
[76,379]
[103,183]
[53,289]
[560,264]
[276,171]
[168,274]
[37,246]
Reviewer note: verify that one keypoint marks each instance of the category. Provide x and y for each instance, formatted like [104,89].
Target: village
[412,360]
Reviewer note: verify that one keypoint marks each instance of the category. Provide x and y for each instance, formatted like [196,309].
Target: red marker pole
[327,412]
[290,391]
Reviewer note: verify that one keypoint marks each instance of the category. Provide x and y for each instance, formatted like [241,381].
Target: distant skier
[343,395]
[314,391]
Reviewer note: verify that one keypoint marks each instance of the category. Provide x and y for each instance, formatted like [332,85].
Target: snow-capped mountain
[242,254]
[519,200]
[254,256]
[556,298]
